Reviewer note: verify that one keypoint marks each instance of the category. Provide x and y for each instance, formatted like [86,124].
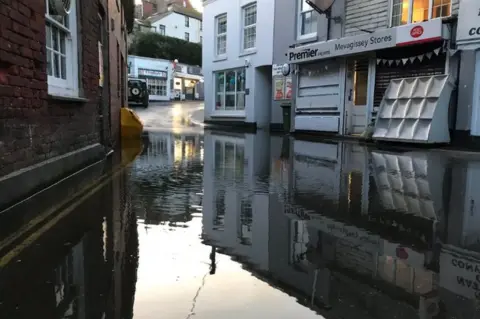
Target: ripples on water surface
[253,226]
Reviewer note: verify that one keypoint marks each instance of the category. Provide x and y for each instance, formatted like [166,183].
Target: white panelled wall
[238,43]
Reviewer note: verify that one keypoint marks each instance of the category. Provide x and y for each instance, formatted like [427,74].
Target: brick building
[55,118]
[150,7]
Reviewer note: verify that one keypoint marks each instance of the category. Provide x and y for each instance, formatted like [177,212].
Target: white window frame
[234,93]
[300,12]
[66,87]
[187,22]
[250,26]
[410,12]
[219,35]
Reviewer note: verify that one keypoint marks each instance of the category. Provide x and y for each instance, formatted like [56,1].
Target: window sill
[233,114]
[248,52]
[307,38]
[73,99]
[220,58]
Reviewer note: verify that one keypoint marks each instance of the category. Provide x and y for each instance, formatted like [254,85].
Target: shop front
[341,83]
[187,82]
[155,72]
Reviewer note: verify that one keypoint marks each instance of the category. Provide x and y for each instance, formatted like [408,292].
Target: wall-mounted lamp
[247,63]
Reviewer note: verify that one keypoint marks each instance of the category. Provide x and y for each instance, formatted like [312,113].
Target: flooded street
[206,224]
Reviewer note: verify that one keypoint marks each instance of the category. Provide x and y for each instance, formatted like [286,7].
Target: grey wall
[284,35]
[366,15]
[465,90]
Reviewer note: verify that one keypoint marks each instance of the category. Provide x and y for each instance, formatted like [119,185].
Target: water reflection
[348,231]
[81,266]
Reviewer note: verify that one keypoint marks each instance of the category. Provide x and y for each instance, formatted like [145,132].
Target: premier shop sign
[345,46]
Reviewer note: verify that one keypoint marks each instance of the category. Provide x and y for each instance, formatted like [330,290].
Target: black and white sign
[349,45]
[468,28]
[152,73]
[460,274]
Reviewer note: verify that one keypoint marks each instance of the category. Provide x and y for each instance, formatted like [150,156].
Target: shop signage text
[468,28]
[460,275]
[350,45]
[152,73]
[399,36]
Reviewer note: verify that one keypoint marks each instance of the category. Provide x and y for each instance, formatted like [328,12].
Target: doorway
[356,92]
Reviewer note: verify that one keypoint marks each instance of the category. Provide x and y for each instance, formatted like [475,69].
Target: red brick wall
[34,127]
[147,9]
[117,39]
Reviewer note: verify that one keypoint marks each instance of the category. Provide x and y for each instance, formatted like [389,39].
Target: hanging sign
[288,88]
[152,73]
[279,88]
[468,26]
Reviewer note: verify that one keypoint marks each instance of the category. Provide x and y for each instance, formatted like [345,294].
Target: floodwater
[218,224]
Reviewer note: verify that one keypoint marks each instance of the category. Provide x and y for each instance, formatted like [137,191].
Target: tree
[154,45]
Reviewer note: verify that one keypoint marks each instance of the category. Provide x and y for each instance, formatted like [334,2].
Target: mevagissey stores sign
[350,45]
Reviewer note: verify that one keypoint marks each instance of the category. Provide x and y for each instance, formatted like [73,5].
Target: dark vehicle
[137,92]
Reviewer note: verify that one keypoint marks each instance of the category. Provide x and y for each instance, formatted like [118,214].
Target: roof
[175,8]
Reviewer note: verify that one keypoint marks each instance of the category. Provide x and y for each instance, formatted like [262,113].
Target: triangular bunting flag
[378,61]
[397,62]
[384,61]
[429,55]
[420,57]
[404,61]
[412,59]
[437,51]
[390,62]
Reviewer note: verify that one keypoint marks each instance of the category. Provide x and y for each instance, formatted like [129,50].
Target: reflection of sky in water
[174,265]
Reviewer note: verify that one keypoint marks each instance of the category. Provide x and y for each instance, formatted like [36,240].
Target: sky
[196,3]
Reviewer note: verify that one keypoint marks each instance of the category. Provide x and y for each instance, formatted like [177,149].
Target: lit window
[413,11]
[221,34]
[249,26]
[307,20]
[61,45]
[230,90]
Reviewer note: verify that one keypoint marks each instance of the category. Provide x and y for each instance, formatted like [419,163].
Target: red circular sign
[416,31]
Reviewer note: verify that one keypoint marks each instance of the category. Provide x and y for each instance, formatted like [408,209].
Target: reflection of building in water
[235,204]
[163,175]
[84,267]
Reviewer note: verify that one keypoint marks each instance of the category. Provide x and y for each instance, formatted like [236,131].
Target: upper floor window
[61,51]
[307,20]
[413,11]
[161,29]
[221,34]
[187,36]
[187,22]
[249,26]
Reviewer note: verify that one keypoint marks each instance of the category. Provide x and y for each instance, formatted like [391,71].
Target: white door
[356,88]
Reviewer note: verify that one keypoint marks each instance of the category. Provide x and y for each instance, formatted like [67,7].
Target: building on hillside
[167,80]
[58,113]
[340,69]
[178,22]
[237,63]
[149,7]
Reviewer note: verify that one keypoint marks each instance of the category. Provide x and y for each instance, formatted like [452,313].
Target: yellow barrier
[131,126]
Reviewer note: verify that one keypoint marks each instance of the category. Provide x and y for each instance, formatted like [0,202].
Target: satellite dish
[321,6]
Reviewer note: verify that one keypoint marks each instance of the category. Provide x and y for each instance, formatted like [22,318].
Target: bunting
[412,59]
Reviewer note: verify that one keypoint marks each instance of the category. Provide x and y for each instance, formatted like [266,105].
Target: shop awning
[188,76]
